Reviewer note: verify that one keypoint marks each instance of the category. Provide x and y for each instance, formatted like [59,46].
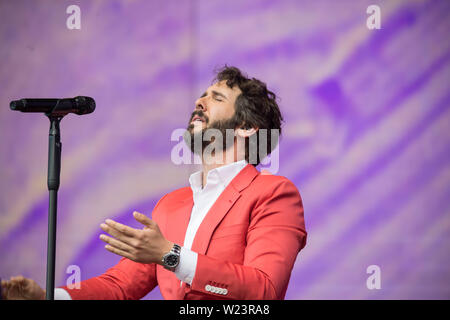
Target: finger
[17,280]
[126,230]
[117,243]
[119,252]
[6,284]
[5,287]
[146,221]
[117,234]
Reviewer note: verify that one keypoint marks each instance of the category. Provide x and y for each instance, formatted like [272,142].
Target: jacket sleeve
[275,236]
[127,280]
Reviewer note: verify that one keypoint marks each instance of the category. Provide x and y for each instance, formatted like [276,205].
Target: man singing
[233,234]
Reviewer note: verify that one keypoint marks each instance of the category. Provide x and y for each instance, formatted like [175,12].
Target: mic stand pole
[54,170]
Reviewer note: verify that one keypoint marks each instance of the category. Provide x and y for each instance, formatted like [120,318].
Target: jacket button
[208,287]
[224,292]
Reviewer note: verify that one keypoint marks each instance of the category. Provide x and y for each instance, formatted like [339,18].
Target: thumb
[146,221]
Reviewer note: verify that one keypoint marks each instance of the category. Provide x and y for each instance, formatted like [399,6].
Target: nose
[200,104]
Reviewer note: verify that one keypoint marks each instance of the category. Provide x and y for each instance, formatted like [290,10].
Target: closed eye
[216,95]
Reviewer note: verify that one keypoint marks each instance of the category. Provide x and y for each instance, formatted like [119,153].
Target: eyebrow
[215,93]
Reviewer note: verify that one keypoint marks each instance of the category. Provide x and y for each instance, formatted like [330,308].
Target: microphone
[55,110]
[56,107]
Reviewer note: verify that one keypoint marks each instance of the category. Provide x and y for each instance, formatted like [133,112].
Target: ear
[245,133]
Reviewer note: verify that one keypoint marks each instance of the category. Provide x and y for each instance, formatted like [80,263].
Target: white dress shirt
[216,181]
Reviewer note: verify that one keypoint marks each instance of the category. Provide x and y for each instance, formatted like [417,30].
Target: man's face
[216,104]
[213,110]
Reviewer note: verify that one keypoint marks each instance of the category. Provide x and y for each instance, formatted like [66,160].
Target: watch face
[171,260]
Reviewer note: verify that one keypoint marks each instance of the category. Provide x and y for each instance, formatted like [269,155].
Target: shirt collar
[221,175]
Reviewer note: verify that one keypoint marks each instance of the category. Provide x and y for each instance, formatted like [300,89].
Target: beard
[214,134]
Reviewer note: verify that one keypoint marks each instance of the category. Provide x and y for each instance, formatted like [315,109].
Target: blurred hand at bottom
[21,288]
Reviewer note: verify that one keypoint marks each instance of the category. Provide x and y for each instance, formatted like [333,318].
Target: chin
[197,128]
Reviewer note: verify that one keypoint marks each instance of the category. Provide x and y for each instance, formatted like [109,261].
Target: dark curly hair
[255,107]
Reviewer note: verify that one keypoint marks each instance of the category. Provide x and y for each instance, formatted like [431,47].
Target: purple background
[366,138]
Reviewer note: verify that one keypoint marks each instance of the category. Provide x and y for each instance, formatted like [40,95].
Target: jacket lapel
[177,221]
[221,207]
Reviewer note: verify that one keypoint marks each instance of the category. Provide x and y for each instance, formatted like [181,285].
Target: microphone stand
[55,110]
[54,170]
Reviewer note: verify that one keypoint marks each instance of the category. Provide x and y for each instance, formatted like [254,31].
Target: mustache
[200,114]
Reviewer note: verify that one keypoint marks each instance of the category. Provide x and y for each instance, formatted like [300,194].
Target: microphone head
[85,105]
[17,105]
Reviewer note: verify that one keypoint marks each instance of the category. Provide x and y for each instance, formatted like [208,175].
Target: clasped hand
[146,245]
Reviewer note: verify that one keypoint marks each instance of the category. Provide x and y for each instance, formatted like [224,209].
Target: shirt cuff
[61,294]
[185,270]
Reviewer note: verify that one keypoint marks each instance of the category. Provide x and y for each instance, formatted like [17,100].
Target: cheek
[221,112]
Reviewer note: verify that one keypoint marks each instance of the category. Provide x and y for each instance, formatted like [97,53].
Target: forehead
[221,86]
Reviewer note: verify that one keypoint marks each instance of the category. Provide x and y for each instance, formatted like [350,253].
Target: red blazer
[247,245]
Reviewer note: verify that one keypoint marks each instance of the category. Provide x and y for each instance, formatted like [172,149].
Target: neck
[226,157]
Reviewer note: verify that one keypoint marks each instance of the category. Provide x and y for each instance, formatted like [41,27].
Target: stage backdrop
[366,137]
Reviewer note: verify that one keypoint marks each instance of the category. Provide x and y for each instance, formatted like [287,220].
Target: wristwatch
[171,259]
